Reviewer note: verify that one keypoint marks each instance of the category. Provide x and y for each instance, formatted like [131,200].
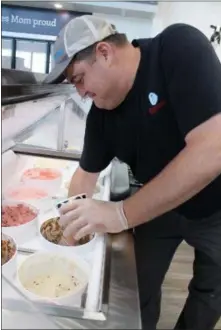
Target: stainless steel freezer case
[119,307]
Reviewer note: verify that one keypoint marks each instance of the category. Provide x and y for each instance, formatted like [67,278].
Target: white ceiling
[121,8]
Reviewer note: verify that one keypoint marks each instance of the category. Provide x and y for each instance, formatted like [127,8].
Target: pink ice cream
[41,174]
[26,193]
[16,215]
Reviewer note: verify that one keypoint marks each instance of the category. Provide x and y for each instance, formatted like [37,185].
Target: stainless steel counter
[123,302]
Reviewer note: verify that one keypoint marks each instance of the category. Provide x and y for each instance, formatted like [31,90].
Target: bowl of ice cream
[52,238]
[53,277]
[8,256]
[49,179]
[19,220]
[32,195]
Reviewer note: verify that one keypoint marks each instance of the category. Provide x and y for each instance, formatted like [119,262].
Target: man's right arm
[82,182]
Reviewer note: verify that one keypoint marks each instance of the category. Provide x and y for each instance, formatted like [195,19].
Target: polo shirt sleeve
[96,154]
[192,73]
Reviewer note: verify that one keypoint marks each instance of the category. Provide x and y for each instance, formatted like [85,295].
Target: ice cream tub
[49,179]
[51,234]
[8,257]
[19,220]
[53,278]
[32,195]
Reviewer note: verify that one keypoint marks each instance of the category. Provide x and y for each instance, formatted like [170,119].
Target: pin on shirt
[153,98]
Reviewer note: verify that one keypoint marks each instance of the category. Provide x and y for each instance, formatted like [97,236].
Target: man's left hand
[84,217]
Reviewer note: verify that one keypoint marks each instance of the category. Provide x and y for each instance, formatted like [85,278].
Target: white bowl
[85,250]
[9,268]
[42,203]
[52,186]
[24,232]
[51,268]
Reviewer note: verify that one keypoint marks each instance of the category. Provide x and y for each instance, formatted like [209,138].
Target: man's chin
[105,105]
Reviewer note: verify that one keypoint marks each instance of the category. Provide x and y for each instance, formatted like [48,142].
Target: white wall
[199,14]
[133,27]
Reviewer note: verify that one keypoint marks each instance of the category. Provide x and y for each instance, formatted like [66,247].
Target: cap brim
[56,76]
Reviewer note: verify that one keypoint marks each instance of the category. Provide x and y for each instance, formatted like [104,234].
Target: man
[157,107]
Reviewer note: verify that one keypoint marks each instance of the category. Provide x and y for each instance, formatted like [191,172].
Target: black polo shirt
[177,87]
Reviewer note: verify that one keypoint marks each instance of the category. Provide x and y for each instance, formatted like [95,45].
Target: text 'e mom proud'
[16,19]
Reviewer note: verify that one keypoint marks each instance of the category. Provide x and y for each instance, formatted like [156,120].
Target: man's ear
[104,51]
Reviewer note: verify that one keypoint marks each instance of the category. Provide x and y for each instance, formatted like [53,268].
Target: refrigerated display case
[110,299]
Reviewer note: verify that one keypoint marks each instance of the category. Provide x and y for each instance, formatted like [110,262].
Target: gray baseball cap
[78,34]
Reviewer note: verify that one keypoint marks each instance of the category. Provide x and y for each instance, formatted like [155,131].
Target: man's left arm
[190,171]
[193,77]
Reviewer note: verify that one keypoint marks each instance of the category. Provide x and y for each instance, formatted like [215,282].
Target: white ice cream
[53,285]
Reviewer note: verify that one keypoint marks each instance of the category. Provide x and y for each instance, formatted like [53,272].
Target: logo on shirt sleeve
[155,104]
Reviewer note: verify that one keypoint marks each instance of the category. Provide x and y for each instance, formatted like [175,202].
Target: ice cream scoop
[70,199]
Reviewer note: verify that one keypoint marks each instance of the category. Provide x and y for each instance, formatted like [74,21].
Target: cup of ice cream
[8,256]
[35,196]
[52,277]
[49,179]
[19,220]
[52,239]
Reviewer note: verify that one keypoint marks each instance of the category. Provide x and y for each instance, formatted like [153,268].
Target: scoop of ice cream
[52,231]
[41,174]
[8,250]
[26,193]
[15,215]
